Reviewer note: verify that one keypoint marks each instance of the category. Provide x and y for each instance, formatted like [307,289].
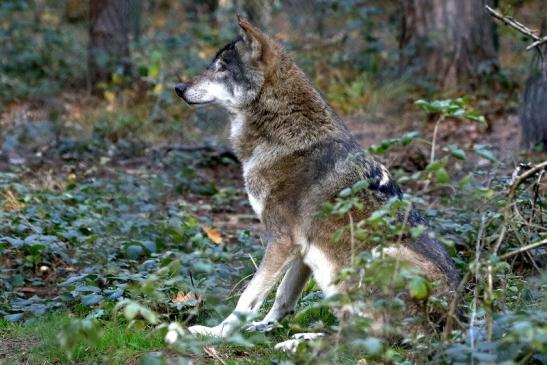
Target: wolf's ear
[258,42]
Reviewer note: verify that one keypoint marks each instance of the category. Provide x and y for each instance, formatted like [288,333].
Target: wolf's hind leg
[292,344]
[278,255]
[287,295]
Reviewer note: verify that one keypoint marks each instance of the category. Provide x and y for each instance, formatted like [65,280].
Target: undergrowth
[96,257]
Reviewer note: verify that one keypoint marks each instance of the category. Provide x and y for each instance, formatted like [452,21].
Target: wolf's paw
[262,326]
[205,331]
[292,344]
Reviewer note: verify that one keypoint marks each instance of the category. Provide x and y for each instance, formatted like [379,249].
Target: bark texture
[109,28]
[451,42]
[533,105]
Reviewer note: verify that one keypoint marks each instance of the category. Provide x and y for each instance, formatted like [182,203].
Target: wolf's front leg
[287,295]
[276,258]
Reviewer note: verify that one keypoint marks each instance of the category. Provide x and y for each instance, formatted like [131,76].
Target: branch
[537,43]
[518,26]
[517,179]
[523,249]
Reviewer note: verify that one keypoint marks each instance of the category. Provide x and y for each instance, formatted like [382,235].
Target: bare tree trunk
[533,105]
[451,42]
[109,28]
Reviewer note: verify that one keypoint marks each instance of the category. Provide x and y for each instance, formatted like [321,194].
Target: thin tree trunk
[533,105]
[109,28]
[450,42]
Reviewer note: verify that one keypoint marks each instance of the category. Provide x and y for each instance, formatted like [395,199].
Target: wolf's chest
[255,187]
[256,203]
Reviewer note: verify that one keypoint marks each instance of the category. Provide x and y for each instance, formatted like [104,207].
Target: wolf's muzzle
[181,88]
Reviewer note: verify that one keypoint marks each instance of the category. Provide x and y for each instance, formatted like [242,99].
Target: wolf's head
[236,75]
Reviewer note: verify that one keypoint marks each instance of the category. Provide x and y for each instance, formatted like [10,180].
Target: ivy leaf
[484,151]
[14,317]
[134,252]
[345,193]
[456,151]
[91,299]
[73,279]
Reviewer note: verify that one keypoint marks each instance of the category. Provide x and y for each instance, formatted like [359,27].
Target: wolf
[295,153]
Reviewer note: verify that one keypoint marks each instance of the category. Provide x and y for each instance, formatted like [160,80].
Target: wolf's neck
[288,115]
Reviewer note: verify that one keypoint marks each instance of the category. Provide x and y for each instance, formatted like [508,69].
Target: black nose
[180,88]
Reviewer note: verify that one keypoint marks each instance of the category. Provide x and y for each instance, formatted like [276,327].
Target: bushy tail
[429,247]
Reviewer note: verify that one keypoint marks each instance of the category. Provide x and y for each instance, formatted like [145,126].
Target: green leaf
[131,311]
[417,231]
[153,359]
[337,235]
[155,64]
[386,144]
[14,317]
[409,137]
[134,252]
[149,315]
[441,176]
[345,193]
[373,345]
[436,165]
[376,216]
[466,180]
[91,299]
[484,151]
[73,279]
[418,288]
[476,116]
[359,185]
[456,151]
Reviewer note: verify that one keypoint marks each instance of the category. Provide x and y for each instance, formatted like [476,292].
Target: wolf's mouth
[197,103]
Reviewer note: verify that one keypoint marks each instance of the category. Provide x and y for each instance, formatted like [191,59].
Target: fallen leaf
[213,234]
[26,289]
[10,201]
[182,298]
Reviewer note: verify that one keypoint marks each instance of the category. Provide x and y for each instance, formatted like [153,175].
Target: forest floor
[45,174]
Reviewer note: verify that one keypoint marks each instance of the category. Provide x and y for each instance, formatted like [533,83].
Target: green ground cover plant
[127,221]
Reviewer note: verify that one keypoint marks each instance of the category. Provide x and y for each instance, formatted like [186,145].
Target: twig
[538,40]
[253,261]
[535,198]
[433,145]
[453,306]
[433,142]
[523,249]
[237,284]
[212,352]
[352,238]
[519,179]
[500,239]
[518,26]
[489,294]
[515,230]
[476,267]
[537,43]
